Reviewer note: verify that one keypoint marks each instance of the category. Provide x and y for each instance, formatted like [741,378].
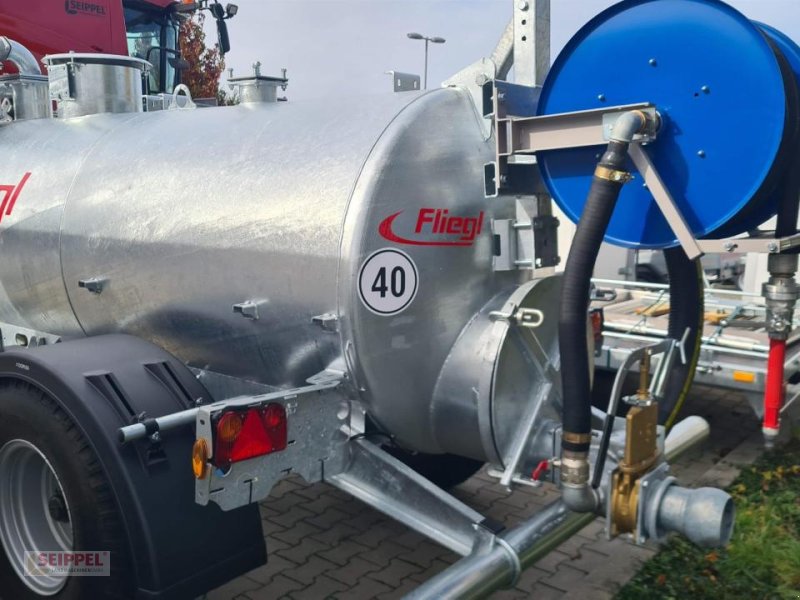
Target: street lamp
[433,40]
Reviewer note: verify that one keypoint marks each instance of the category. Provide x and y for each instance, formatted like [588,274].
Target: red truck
[147,29]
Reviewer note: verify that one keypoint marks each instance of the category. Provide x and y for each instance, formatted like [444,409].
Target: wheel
[53,497]
[445,470]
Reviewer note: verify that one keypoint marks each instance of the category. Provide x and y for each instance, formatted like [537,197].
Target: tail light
[241,435]
[597,318]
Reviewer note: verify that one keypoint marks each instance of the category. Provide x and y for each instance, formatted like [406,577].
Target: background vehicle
[147,29]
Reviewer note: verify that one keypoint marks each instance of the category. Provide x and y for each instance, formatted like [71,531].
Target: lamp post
[434,40]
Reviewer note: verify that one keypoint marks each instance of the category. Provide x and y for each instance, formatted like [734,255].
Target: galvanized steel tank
[179,215]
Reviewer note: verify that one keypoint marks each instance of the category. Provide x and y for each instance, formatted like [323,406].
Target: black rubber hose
[573,345]
[686,311]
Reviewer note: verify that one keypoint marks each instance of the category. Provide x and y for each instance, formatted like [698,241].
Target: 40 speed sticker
[388,281]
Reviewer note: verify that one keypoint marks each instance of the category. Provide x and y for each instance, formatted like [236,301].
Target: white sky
[343,47]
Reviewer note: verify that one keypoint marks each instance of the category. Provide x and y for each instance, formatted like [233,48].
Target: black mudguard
[179,549]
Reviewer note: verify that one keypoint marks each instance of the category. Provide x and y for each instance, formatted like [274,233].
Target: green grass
[763,558]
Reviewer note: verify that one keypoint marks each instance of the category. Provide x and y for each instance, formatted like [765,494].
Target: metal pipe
[661,286]
[138,431]
[741,349]
[478,575]
[19,56]
[685,435]
[774,390]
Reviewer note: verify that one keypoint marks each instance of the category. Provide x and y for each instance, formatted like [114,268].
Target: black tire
[445,470]
[28,414]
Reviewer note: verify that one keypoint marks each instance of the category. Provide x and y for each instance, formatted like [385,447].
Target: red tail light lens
[598,321]
[241,435]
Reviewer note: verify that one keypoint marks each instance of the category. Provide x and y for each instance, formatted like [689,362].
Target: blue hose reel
[727,90]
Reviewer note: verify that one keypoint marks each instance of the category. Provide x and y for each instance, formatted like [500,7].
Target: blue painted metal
[719,87]
[763,211]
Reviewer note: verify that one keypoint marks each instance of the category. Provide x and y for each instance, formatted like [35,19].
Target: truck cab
[152,34]
[146,29]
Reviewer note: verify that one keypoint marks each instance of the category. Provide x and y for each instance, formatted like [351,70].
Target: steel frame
[519,134]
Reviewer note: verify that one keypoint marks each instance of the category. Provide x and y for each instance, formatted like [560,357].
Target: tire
[445,470]
[32,422]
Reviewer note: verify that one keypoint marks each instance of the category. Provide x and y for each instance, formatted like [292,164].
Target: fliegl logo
[432,227]
[78,7]
[9,194]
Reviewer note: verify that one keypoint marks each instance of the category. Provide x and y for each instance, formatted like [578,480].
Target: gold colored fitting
[612,174]
[576,438]
[641,454]
[644,377]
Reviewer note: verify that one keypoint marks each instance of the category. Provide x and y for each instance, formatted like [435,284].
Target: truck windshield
[154,37]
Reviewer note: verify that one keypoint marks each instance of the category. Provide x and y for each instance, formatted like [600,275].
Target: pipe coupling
[781,295]
[705,515]
[574,468]
[628,125]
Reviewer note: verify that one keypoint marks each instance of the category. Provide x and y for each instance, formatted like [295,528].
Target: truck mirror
[217,11]
[178,63]
[223,37]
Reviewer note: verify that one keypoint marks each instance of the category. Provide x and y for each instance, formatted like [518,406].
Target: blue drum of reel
[727,91]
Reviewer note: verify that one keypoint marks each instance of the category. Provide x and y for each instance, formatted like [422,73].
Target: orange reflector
[744,376]
[200,459]
[229,427]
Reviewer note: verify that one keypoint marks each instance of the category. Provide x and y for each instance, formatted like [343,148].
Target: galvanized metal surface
[23,97]
[317,439]
[89,84]
[498,566]
[280,213]
[531,41]
[493,378]
[383,482]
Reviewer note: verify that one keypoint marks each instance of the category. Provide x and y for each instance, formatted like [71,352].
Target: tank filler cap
[258,88]
[84,58]
[84,84]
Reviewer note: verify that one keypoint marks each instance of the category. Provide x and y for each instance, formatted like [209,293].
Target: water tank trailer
[337,293]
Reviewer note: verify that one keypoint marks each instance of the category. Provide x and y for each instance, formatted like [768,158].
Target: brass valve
[641,454]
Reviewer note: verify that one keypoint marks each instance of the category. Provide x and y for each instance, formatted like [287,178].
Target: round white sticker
[387,282]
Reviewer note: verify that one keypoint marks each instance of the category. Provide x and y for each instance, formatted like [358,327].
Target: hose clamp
[576,438]
[622,177]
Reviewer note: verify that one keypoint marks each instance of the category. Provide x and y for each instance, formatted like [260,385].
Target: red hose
[773,393]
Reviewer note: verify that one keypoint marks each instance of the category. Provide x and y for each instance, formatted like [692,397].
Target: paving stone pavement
[322,543]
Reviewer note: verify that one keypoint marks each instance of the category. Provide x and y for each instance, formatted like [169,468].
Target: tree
[205,64]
